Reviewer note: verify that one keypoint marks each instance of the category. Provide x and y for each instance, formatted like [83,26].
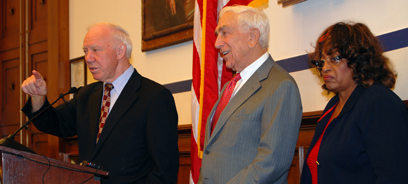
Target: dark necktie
[105,108]
[224,100]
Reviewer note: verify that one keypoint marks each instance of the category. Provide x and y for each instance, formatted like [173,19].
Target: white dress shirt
[118,86]
[249,71]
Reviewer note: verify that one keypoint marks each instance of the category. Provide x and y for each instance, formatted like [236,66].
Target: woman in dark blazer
[362,136]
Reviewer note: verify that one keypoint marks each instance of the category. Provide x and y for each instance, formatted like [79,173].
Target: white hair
[247,18]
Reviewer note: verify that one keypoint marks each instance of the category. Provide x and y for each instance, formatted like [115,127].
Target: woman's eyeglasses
[320,63]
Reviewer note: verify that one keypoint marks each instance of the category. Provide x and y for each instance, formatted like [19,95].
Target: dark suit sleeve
[59,121]
[385,135]
[281,119]
[162,136]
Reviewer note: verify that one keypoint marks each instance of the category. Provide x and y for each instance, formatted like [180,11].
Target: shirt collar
[122,80]
[249,70]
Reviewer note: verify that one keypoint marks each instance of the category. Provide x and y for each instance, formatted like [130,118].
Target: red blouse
[311,161]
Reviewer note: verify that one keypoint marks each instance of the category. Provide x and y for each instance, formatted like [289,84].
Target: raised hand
[36,87]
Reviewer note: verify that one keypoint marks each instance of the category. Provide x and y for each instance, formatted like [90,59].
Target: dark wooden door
[33,36]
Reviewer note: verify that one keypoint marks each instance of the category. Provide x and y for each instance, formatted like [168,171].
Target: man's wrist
[37,102]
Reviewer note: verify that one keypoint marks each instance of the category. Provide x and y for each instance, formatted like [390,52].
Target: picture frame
[166,23]
[78,72]
[286,3]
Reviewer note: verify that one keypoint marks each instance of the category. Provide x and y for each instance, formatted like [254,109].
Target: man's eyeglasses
[320,63]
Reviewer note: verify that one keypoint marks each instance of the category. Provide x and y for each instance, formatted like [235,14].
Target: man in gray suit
[253,138]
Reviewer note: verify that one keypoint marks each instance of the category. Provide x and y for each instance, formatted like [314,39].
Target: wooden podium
[23,167]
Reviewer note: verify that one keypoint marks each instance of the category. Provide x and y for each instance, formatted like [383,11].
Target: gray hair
[119,34]
[247,18]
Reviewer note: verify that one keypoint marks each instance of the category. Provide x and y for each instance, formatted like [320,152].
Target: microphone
[70,91]
[9,140]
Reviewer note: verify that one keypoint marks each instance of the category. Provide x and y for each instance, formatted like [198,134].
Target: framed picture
[78,72]
[166,22]
[286,3]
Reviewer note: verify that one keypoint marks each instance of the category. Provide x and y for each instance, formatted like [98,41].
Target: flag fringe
[262,4]
[201,100]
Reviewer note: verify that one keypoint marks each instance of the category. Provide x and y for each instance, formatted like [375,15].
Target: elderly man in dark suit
[126,123]
[252,131]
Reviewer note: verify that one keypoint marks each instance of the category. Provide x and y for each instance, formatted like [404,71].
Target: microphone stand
[9,140]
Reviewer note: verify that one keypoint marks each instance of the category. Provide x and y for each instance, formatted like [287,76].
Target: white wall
[293,30]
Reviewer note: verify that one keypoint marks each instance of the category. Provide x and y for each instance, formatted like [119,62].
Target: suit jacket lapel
[249,88]
[125,101]
[95,115]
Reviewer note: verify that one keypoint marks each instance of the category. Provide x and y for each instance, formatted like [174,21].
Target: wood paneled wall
[33,36]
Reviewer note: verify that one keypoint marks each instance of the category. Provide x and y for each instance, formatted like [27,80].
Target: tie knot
[108,87]
[236,78]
